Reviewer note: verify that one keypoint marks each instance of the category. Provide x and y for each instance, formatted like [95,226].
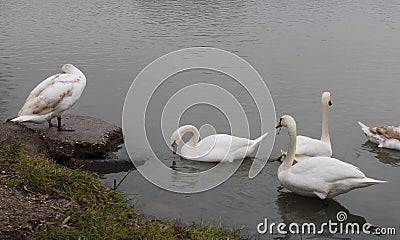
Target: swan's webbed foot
[61,128]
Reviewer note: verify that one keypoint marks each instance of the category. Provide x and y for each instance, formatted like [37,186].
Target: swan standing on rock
[52,97]
[322,177]
[308,147]
[213,148]
[385,136]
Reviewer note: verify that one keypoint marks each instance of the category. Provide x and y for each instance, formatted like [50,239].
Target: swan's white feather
[309,147]
[324,176]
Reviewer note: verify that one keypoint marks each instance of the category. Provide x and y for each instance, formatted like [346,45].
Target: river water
[300,48]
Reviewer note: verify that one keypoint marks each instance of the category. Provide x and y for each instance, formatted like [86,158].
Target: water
[300,48]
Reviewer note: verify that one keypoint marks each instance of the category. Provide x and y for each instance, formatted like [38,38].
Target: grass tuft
[103,213]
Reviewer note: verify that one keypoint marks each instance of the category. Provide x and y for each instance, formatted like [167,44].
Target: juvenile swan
[213,148]
[322,177]
[53,96]
[385,136]
[308,147]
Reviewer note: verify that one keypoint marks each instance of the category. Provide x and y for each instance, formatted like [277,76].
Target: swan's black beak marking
[330,103]
[174,146]
[279,124]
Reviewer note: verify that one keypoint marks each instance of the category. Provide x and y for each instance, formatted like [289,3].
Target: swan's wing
[48,95]
[386,132]
[221,146]
[42,86]
[326,169]
[312,147]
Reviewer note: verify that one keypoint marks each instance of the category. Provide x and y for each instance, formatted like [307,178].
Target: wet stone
[92,139]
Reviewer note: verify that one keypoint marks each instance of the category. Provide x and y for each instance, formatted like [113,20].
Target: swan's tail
[371,181]
[28,118]
[19,119]
[362,125]
[365,128]
[258,140]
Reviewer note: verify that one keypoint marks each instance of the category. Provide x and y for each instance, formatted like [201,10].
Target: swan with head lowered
[308,147]
[384,136]
[213,148]
[322,177]
[52,97]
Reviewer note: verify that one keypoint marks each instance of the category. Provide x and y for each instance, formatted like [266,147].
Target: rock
[92,139]
[32,143]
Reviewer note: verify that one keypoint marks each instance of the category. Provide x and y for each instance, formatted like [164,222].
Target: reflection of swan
[213,148]
[53,96]
[385,156]
[298,209]
[309,147]
[385,136]
[323,177]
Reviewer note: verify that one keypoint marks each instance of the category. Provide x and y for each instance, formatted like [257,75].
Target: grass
[103,213]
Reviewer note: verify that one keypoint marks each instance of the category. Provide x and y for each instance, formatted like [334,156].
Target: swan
[213,148]
[308,147]
[52,97]
[385,136]
[322,177]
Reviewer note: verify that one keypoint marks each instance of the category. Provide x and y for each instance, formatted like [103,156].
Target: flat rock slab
[92,139]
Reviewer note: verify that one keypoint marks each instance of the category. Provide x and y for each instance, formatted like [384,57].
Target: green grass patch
[103,213]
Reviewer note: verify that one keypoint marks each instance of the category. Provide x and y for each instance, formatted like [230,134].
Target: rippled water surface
[300,48]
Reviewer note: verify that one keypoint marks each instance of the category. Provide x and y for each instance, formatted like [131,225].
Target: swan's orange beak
[174,146]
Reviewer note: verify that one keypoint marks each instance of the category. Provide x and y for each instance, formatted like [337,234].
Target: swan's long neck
[288,162]
[194,140]
[325,129]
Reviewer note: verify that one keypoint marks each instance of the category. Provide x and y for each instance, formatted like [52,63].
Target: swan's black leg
[60,128]
[51,124]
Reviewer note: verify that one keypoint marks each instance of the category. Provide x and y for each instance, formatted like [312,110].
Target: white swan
[308,147]
[385,136]
[213,148]
[323,177]
[53,96]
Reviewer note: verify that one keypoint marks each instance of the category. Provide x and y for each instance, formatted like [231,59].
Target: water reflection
[298,209]
[386,156]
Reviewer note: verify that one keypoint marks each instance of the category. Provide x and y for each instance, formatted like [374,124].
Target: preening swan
[308,147]
[322,177]
[213,148]
[53,96]
[385,136]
